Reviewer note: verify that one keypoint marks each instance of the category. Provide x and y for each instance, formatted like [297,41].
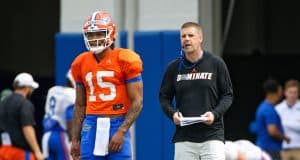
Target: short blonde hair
[291,83]
[193,24]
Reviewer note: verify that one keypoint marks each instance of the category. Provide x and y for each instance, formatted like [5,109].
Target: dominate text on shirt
[194,76]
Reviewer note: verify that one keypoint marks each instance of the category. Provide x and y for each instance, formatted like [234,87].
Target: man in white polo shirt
[289,112]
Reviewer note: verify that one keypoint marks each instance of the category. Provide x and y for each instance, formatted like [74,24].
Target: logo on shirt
[118,106]
[194,76]
[86,127]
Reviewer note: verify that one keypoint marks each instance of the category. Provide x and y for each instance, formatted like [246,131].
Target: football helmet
[99,31]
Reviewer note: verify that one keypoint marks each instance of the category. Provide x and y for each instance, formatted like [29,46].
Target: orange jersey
[105,81]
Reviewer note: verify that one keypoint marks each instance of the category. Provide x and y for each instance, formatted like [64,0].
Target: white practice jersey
[59,98]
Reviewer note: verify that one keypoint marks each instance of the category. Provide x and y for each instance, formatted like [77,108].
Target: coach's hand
[210,118]
[116,141]
[75,150]
[176,117]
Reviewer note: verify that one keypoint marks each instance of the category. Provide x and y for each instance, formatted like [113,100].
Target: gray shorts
[208,150]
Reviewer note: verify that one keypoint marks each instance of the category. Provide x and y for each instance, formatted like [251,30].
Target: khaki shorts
[209,150]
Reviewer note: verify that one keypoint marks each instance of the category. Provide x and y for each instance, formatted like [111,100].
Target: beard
[28,96]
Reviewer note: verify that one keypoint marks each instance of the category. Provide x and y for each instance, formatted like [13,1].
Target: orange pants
[14,153]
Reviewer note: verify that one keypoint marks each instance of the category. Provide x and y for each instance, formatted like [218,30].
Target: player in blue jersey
[57,120]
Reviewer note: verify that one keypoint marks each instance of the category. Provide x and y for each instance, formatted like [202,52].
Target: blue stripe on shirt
[27,155]
[136,79]
[79,83]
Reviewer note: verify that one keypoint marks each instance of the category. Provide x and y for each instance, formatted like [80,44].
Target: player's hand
[176,117]
[39,156]
[116,141]
[210,118]
[287,139]
[75,150]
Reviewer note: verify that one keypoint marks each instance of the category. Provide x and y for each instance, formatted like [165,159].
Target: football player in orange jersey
[109,93]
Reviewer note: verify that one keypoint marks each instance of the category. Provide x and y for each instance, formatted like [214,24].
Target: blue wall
[67,47]
[154,130]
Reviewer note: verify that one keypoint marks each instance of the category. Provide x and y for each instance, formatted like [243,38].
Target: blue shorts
[55,145]
[88,135]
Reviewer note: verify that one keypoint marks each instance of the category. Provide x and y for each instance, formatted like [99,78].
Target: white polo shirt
[290,119]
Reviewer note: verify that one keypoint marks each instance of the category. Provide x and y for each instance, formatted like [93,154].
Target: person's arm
[30,136]
[167,91]
[225,91]
[27,122]
[274,132]
[69,129]
[135,93]
[79,114]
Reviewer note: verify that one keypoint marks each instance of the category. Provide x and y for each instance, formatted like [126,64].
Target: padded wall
[148,126]
[153,130]
[170,50]
[67,47]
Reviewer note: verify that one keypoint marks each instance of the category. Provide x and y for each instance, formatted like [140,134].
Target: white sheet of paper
[5,138]
[184,121]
